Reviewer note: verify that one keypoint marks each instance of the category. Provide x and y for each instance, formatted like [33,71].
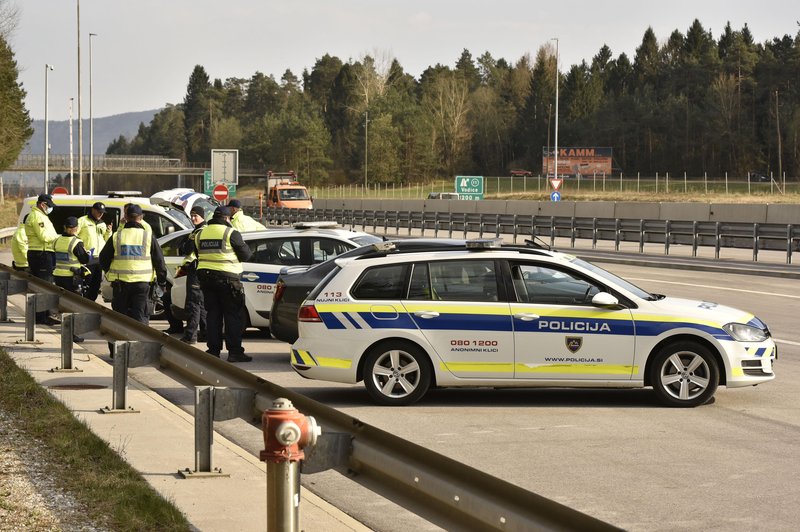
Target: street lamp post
[555,159]
[91,121]
[366,147]
[71,166]
[47,69]
[80,116]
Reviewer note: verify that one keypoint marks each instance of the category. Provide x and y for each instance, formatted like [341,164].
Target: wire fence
[643,185]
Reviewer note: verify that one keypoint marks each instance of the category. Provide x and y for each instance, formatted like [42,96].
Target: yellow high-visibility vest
[64,247]
[39,230]
[132,262]
[214,251]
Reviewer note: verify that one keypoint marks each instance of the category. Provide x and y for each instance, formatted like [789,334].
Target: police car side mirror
[604,299]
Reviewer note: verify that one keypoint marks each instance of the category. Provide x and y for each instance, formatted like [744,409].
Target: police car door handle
[250,276]
[524,316]
[426,314]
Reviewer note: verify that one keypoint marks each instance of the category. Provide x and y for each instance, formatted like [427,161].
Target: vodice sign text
[469,187]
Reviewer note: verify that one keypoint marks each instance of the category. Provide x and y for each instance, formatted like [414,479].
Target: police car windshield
[208,205]
[181,216]
[632,288]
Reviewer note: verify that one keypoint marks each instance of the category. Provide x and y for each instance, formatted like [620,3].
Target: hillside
[106,129]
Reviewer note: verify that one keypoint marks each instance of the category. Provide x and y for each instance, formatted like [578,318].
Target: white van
[164,219]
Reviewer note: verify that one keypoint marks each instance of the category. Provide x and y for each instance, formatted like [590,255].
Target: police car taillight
[280,287]
[308,313]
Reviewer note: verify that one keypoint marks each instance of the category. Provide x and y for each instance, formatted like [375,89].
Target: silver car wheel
[685,375]
[396,373]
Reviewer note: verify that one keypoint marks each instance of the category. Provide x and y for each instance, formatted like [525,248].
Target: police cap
[220,212]
[235,203]
[45,198]
[71,221]
[133,210]
[99,206]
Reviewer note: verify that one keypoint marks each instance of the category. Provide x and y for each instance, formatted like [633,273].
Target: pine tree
[15,122]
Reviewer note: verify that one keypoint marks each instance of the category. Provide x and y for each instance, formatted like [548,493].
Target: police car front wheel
[397,374]
[684,374]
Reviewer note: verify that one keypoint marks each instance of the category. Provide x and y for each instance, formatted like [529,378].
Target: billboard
[578,161]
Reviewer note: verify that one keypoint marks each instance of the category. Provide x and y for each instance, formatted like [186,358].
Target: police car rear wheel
[684,374]
[397,374]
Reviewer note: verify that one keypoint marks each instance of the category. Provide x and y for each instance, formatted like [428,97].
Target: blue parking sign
[555,196]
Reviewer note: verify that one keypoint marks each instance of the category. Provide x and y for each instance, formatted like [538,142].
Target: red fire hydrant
[286,433]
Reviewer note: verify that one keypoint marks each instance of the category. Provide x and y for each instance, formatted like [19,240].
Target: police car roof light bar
[484,243]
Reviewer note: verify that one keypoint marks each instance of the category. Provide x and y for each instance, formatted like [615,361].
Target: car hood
[705,311]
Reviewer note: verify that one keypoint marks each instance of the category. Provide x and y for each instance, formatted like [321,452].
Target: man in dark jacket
[132,260]
[195,307]
[220,252]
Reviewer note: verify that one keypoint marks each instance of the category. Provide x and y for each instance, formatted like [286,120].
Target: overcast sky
[146,49]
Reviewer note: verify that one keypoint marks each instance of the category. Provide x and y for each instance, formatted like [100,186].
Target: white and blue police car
[498,316]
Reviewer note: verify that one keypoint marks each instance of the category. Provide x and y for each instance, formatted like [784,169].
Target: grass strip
[87,468]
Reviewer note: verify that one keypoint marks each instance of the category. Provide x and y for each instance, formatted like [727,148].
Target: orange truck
[283,190]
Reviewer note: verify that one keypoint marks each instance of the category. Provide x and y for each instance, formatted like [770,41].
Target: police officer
[240,221]
[132,259]
[94,232]
[19,248]
[41,234]
[220,253]
[195,306]
[70,258]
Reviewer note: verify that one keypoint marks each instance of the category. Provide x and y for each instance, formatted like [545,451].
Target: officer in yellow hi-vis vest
[220,253]
[240,221]
[70,259]
[94,232]
[19,248]
[41,233]
[132,260]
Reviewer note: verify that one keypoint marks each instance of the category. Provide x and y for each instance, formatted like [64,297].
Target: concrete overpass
[120,164]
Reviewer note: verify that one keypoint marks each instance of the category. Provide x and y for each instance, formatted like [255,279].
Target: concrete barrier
[643,210]
[523,207]
[595,209]
[557,208]
[783,214]
[491,207]
[699,212]
[738,212]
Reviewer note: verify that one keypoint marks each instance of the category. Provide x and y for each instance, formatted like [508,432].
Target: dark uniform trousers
[224,300]
[92,285]
[195,306]
[131,299]
[41,265]
[70,284]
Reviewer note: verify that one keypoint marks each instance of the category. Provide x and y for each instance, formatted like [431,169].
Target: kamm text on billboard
[578,161]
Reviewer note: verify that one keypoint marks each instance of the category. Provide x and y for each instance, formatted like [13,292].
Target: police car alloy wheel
[684,374]
[397,374]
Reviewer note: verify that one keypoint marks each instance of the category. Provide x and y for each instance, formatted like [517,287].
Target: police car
[185,199]
[304,243]
[491,315]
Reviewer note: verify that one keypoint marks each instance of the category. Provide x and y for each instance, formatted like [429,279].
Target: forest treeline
[690,103]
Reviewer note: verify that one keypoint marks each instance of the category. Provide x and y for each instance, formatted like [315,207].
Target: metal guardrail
[445,491]
[754,236]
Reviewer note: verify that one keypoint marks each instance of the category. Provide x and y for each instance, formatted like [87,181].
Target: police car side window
[420,286]
[323,249]
[536,283]
[381,282]
[464,280]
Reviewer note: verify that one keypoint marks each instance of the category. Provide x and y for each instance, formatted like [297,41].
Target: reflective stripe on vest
[132,262]
[65,258]
[214,251]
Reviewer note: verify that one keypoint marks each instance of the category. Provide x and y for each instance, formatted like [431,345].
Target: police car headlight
[745,333]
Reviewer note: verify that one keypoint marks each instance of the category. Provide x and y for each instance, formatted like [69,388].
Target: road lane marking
[713,287]
[789,342]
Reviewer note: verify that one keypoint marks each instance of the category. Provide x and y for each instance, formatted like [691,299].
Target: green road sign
[209,184]
[469,187]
